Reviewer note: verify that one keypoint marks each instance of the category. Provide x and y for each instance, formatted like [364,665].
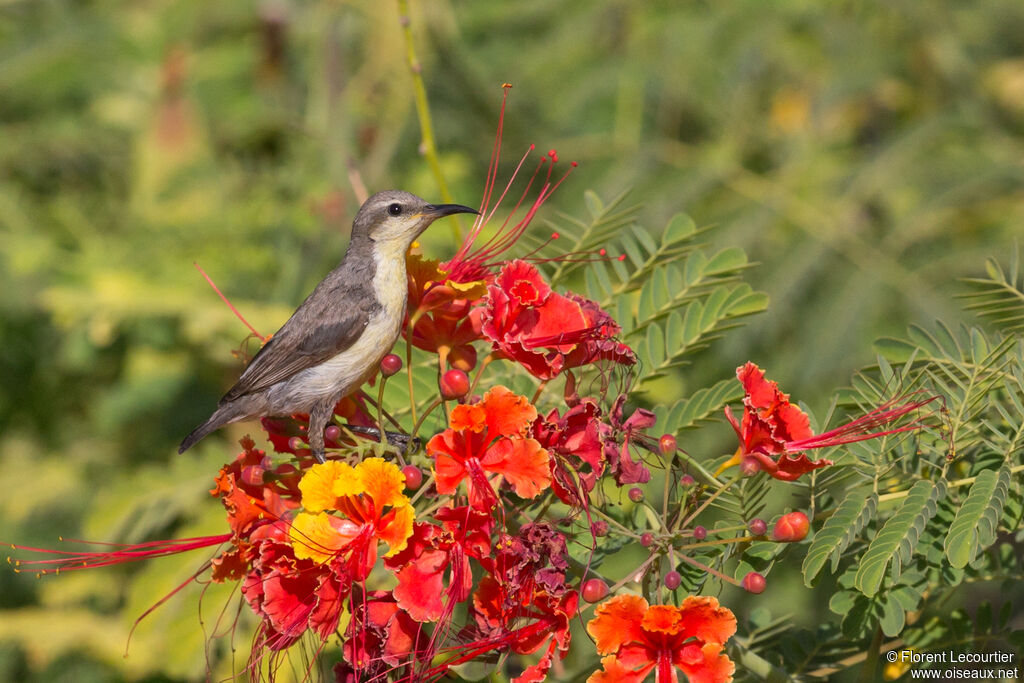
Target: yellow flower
[371,507]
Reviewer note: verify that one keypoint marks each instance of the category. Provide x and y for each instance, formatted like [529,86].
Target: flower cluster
[414,577]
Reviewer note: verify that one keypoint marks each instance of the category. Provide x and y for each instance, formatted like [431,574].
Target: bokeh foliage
[864,155]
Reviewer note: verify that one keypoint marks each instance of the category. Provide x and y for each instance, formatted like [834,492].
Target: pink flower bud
[413,477]
[754,582]
[758,526]
[390,365]
[594,590]
[672,580]
[636,494]
[749,467]
[454,384]
[700,533]
[791,528]
[667,444]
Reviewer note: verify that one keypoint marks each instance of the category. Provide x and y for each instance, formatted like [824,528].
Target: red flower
[490,437]
[775,432]
[641,638]
[544,331]
[442,294]
[253,490]
[574,441]
[541,618]
[380,636]
[434,552]
[292,595]
[623,467]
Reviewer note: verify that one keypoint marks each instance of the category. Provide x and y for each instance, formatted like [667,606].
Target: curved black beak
[441,210]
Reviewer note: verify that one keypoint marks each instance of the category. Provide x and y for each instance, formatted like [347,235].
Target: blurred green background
[865,154]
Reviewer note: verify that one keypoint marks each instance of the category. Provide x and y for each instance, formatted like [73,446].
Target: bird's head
[396,218]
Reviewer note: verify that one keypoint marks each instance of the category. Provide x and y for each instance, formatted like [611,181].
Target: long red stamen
[229,304]
[72,560]
[471,260]
[860,429]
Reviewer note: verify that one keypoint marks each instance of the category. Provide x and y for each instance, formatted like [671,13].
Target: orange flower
[641,637]
[489,437]
[361,494]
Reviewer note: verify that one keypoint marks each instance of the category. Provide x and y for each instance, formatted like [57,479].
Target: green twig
[427,146]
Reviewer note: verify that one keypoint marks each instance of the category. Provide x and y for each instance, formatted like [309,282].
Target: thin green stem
[419,423]
[719,541]
[722,489]
[540,390]
[422,489]
[480,371]
[956,483]
[427,147]
[624,529]
[408,369]
[709,570]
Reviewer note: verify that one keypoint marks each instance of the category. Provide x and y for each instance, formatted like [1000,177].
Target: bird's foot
[403,442]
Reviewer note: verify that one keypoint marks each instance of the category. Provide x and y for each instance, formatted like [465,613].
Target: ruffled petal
[617,622]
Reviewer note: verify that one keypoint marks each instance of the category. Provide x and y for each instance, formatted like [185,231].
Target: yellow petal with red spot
[382,482]
[395,528]
[320,537]
[319,485]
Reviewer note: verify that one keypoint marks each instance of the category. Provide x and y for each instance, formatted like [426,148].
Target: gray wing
[316,332]
[284,356]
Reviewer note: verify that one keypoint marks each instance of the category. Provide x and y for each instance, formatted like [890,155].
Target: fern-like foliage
[999,298]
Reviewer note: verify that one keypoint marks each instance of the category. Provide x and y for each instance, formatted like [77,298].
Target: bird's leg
[318,418]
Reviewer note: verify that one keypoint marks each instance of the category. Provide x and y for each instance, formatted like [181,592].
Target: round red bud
[454,384]
[753,582]
[758,526]
[686,481]
[700,533]
[672,580]
[390,365]
[295,443]
[599,527]
[462,357]
[636,494]
[413,477]
[332,433]
[791,528]
[647,539]
[750,466]
[594,590]
[668,444]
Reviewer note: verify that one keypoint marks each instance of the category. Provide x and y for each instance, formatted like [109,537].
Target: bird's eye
[395,209]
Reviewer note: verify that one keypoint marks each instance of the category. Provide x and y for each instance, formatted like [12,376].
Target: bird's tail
[222,416]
